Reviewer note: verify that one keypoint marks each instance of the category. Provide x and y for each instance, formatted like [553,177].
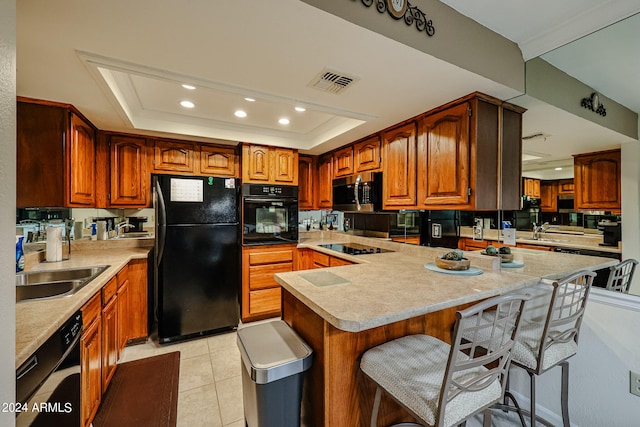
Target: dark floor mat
[142,393]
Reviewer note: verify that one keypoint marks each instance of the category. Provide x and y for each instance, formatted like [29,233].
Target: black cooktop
[354,248]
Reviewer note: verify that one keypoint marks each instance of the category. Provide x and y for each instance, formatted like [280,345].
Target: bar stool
[621,275]
[441,384]
[550,340]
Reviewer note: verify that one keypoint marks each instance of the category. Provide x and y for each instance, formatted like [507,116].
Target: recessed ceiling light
[283,121]
[250,99]
[187,104]
[240,113]
[558,169]
[190,87]
[301,109]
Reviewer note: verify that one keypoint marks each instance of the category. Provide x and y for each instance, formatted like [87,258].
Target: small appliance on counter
[611,232]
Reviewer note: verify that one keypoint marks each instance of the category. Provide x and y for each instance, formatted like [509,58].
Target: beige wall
[8,205]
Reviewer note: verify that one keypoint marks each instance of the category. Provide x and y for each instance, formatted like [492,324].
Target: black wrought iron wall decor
[412,14]
[593,103]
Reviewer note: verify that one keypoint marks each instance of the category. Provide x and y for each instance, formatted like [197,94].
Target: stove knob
[378,250]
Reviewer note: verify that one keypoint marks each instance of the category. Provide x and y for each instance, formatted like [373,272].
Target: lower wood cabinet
[467,244]
[309,259]
[411,240]
[260,291]
[91,360]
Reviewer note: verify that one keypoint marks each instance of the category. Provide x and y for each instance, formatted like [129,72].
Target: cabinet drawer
[91,311]
[321,259]
[261,276]
[271,257]
[264,301]
[109,291]
[123,275]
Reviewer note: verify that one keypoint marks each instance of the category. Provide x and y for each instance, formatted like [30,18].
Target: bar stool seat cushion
[527,345]
[412,369]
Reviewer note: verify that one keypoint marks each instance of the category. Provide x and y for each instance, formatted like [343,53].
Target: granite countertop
[551,238]
[388,287]
[37,320]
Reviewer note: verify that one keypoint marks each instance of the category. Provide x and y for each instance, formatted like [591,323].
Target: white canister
[54,244]
[102,230]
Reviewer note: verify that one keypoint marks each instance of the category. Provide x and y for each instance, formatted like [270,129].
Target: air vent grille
[332,81]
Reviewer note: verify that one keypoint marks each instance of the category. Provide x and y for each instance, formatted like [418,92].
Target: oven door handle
[270,199]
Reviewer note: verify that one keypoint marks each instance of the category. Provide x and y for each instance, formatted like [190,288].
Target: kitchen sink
[134,235]
[552,240]
[54,283]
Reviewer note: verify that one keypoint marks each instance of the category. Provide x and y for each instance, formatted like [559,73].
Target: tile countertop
[37,320]
[393,286]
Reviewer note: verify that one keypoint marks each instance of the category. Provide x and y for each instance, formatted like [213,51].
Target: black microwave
[358,193]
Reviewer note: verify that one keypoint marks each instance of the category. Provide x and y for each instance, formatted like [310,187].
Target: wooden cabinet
[260,291]
[343,162]
[169,156]
[309,259]
[534,247]
[130,179]
[325,182]
[138,319]
[566,187]
[123,309]
[218,161]
[468,244]
[531,187]
[399,182]
[269,165]
[411,240]
[56,156]
[366,155]
[597,181]
[307,187]
[445,157]
[109,333]
[91,360]
[549,196]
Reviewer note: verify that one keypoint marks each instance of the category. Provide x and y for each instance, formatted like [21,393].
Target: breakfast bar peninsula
[343,311]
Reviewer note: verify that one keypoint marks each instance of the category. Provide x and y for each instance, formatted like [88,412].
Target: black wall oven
[270,214]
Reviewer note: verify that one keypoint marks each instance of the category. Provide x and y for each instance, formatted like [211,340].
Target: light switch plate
[634,383]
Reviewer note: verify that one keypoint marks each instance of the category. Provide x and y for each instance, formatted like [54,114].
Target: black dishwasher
[48,383]
[602,275]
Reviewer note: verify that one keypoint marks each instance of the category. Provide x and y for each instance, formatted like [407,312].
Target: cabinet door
[548,196]
[566,186]
[366,155]
[285,166]
[597,181]
[91,365]
[138,300]
[325,182]
[399,183]
[535,191]
[173,156]
[109,342]
[123,316]
[218,161]
[129,173]
[82,163]
[306,182]
[257,161]
[343,162]
[444,161]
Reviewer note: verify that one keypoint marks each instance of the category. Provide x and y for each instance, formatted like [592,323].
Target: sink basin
[134,235]
[552,240]
[54,283]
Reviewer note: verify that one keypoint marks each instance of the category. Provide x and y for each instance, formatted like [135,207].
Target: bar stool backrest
[621,275]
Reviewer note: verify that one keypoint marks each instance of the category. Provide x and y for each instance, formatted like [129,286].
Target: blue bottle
[19,255]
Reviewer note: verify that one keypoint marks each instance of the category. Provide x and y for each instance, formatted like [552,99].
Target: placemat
[472,271]
[324,278]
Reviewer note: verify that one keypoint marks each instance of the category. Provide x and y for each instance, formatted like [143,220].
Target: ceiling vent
[332,81]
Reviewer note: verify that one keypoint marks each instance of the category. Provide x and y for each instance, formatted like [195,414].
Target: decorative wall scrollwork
[413,15]
[592,103]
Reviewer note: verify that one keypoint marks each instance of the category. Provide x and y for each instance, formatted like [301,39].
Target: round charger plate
[471,271]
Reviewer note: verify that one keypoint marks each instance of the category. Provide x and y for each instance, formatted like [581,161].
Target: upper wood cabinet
[445,157]
[366,155]
[549,196]
[174,156]
[269,165]
[399,182]
[307,188]
[218,161]
[343,162]
[597,180]
[130,179]
[531,187]
[566,186]
[325,182]
[56,156]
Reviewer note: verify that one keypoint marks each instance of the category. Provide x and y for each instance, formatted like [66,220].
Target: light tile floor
[210,388]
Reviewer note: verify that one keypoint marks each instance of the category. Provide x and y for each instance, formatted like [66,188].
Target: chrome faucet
[537,229]
[119,227]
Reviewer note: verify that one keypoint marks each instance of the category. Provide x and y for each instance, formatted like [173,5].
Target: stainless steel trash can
[274,359]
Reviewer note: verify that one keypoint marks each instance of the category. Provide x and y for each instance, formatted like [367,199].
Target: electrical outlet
[634,383]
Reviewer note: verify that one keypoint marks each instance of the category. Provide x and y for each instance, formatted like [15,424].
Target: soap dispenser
[19,254]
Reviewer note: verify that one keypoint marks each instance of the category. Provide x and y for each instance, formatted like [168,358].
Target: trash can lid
[272,351]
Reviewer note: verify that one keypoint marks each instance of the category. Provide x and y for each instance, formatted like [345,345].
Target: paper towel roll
[102,230]
[54,244]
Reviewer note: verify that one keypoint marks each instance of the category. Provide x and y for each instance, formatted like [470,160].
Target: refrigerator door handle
[162,220]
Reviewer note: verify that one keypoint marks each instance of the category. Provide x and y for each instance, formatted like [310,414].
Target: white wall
[8,205]
[631,206]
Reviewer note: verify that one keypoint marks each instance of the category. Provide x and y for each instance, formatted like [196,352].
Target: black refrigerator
[198,275]
[440,229]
